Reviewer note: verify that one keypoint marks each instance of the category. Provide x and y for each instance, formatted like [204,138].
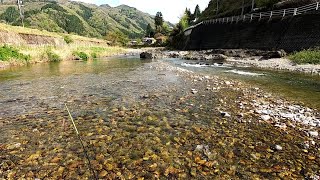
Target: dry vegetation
[74,45]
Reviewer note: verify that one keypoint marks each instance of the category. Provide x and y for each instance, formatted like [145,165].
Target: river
[157,119]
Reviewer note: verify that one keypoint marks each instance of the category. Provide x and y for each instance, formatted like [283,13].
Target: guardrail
[262,15]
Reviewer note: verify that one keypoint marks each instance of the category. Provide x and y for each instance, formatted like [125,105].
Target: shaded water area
[152,120]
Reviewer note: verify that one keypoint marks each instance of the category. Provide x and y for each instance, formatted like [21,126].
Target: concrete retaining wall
[290,34]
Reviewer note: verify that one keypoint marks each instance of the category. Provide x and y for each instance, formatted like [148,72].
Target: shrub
[81,55]
[68,39]
[94,55]
[311,56]
[8,53]
[53,57]
[10,15]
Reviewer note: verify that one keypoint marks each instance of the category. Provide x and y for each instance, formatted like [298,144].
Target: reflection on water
[65,68]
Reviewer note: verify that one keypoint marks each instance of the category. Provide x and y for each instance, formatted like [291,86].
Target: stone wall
[290,34]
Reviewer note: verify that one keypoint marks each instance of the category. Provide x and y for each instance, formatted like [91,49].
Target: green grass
[311,56]
[68,39]
[9,53]
[53,57]
[81,55]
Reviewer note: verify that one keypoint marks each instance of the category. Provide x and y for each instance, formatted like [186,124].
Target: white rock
[194,91]
[289,116]
[265,117]
[225,114]
[199,148]
[228,82]
[278,147]
[266,112]
[314,133]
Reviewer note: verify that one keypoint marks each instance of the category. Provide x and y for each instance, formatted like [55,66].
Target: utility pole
[20,7]
[242,11]
[252,6]
[217,10]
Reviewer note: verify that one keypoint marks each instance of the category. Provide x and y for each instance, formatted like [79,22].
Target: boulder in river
[146,55]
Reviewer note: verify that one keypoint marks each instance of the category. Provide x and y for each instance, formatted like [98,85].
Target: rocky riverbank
[154,121]
[274,60]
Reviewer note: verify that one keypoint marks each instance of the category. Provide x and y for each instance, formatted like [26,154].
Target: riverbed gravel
[155,121]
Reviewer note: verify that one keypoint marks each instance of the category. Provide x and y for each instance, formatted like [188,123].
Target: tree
[165,29]
[188,16]
[197,12]
[158,20]
[184,21]
[10,15]
[117,38]
[149,31]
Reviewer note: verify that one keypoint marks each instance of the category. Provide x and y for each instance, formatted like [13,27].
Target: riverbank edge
[39,54]
[268,60]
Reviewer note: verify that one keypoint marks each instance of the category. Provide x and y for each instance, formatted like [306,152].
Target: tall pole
[252,6]
[242,11]
[217,7]
[20,7]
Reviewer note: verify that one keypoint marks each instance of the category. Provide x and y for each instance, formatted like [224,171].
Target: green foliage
[149,31]
[53,6]
[68,39]
[266,3]
[8,53]
[176,36]
[197,12]
[73,24]
[86,12]
[53,57]
[311,56]
[117,38]
[94,55]
[184,21]
[234,7]
[31,13]
[10,15]
[165,29]
[158,21]
[81,55]
[79,18]
[188,16]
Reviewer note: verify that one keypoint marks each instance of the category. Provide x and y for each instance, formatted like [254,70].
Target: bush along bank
[310,56]
[8,53]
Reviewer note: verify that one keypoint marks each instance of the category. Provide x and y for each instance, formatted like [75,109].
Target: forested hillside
[78,18]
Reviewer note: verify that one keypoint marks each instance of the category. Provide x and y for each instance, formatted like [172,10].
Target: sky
[171,9]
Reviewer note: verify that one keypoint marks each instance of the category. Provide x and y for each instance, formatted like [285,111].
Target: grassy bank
[36,49]
[21,55]
[311,56]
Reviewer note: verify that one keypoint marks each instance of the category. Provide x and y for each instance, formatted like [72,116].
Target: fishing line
[84,149]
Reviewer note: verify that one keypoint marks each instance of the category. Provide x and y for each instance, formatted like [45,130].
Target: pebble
[225,114]
[193,91]
[265,117]
[278,148]
[314,133]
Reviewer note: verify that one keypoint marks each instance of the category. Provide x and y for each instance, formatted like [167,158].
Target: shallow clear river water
[152,120]
[298,87]
[294,86]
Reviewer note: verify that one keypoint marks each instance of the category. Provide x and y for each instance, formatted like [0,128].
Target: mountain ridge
[79,18]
